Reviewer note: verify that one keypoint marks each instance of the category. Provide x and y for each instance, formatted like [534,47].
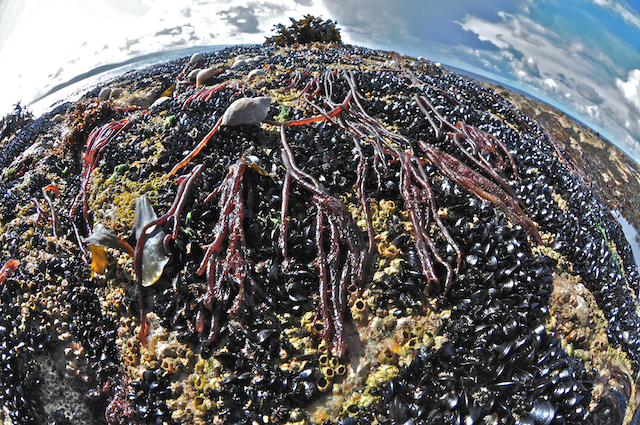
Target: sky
[582,56]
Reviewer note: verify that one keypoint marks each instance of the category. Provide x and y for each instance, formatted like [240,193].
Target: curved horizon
[580,56]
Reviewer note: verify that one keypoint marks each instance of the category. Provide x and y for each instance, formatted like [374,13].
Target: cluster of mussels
[382,247]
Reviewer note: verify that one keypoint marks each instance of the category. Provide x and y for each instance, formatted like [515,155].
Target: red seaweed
[420,204]
[481,187]
[336,275]
[231,274]
[6,270]
[95,145]
[485,151]
[42,215]
[45,193]
[205,94]
[342,252]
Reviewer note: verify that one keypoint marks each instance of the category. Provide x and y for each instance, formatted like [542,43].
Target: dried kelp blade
[107,238]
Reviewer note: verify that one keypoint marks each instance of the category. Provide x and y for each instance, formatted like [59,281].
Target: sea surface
[73,89]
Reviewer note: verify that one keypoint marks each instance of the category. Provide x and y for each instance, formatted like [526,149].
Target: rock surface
[489,324]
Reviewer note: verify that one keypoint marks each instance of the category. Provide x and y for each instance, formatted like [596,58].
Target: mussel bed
[439,258]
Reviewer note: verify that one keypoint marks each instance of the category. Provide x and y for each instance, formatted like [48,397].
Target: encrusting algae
[378,241]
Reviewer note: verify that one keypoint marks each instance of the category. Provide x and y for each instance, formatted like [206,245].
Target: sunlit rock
[246,111]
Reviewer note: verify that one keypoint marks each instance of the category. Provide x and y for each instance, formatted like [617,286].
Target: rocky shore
[314,234]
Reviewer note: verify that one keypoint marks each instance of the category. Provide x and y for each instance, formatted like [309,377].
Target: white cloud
[589,93]
[594,112]
[630,89]
[622,9]
[531,65]
[77,36]
[533,54]
[550,84]
[371,22]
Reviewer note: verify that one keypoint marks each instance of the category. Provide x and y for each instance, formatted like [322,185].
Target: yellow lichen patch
[114,206]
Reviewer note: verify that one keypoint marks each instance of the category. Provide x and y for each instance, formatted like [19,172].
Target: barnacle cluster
[378,241]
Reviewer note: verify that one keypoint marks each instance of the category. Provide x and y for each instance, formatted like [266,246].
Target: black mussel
[611,409]
[525,420]
[398,410]
[449,400]
[542,412]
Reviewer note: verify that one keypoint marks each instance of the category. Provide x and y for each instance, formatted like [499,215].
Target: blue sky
[582,56]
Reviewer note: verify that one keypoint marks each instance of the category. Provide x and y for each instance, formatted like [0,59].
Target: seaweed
[309,29]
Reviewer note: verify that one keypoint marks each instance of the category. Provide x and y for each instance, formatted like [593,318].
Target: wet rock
[499,347]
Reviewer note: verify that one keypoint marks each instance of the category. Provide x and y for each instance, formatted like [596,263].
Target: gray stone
[159,101]
[193,74]
[104,93]
[255,73]
[204,76]
[115,92]
[246,111]
[238,63]
[197,57]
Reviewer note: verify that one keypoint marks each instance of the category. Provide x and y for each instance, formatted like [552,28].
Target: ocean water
[630,233]
[73,89]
